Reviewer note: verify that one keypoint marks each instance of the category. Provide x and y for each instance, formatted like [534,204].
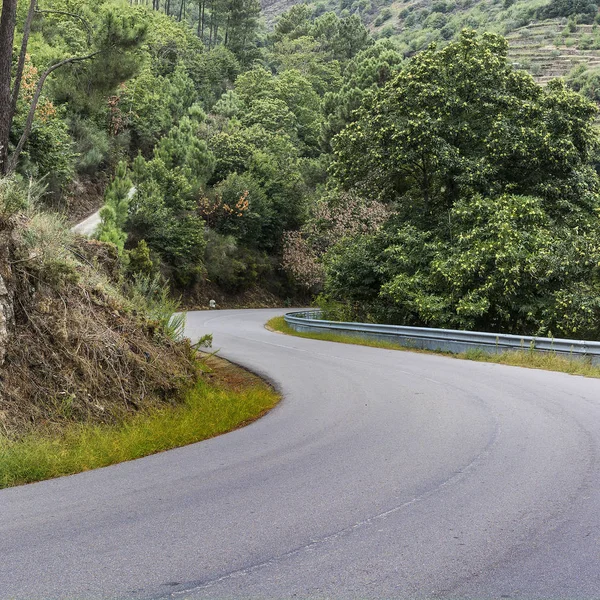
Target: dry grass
[226,397]
[526,358]
[80,351]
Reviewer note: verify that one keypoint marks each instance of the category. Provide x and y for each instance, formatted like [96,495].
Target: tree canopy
[495,201]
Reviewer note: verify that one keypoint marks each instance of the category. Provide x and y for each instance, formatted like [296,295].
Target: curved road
[382,474]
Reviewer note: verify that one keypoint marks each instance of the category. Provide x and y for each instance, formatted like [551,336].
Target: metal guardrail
[446,340]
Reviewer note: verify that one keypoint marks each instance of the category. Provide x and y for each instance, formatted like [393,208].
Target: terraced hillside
[544,50]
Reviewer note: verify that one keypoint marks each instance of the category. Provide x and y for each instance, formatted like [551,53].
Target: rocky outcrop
[7,313]
[6,318]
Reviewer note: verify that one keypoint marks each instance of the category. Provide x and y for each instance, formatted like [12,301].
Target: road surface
[88,226]
[382,474]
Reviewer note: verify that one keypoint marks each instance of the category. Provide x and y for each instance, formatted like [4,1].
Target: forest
[442,187]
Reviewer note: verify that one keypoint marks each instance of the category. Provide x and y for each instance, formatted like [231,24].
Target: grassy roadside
[525,358]
[226,398]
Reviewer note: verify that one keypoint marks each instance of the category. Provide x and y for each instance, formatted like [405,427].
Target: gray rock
[6,318]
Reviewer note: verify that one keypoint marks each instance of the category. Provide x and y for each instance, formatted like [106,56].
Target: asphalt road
[88,226]
[382,474]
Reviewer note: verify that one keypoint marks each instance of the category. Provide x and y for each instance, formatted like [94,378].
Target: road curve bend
[382,474]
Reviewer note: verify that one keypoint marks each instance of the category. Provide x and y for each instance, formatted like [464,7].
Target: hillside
[232,171]
[546,47]
[75,345]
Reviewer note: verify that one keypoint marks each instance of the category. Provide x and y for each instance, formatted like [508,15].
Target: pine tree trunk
[7,34]
[203,19]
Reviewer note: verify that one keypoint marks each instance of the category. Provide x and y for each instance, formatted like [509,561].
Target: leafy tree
[496,205]
[115,33]
[252,223]
[306,56]
[140,261]
[232,152]
[372,68]
[229,104]
[241,27]
[294,23]
[164,208]
[253,84]
[213,72]
[155,104]
[271,113]
[302,100]
[461,121]
[163,212]
[183,149]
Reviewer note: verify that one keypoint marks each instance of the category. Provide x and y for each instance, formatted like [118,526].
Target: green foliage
[509,267]
[49,152]
[93,145]
[182,150]
[567,8]
[213,72]
[115,211]
[370,69]
[241,28]
[496,205]
[154,103]
[140,261]
[586,81]
[251,226]
[117,34]
[235,136]
[229,105]
[461,121]
[294,23]
[163,212]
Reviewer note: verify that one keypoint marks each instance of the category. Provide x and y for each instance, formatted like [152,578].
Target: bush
[384,15]
[13,197]
[45,247]
[140,261]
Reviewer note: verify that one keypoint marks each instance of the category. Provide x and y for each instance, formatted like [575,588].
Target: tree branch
[22,56]
[12,162]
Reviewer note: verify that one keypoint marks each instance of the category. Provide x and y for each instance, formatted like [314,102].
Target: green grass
[206,411]
[525,358]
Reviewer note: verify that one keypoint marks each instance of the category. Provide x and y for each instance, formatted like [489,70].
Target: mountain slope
[546,47]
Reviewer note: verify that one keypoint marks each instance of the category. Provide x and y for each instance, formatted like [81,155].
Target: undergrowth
[521,358]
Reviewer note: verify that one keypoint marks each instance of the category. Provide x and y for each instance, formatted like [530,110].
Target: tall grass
[520,358]
[205,412]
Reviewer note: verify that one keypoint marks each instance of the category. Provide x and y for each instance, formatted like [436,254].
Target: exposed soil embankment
[73,348]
